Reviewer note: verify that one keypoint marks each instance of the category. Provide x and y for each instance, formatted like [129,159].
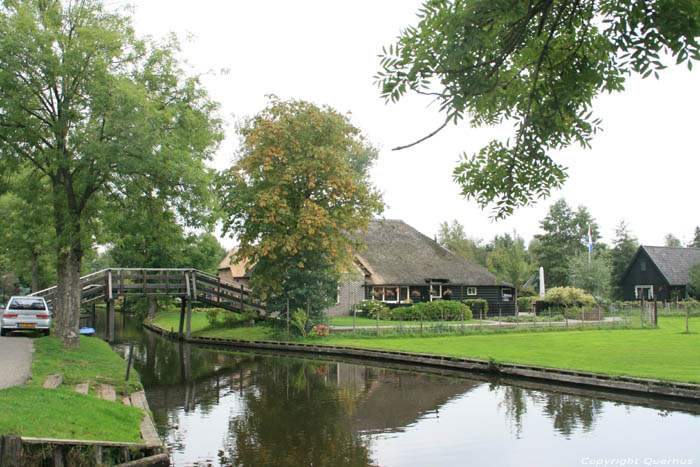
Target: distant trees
[624,246]
[564,238]
[672,240]
[453,237]
[505,255]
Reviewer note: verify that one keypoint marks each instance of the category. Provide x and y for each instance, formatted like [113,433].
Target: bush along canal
[77,409]
[216,405]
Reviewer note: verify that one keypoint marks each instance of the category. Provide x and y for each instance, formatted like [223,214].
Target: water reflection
[219,407]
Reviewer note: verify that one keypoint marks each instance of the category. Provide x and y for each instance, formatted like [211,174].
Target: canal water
[224,407]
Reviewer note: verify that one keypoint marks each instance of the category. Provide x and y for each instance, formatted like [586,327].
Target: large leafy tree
[624,246]
[565,237]
[298,196]
[96,110]
[696,239]
[538,64]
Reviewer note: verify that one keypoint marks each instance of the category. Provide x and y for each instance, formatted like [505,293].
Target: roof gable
[397,253]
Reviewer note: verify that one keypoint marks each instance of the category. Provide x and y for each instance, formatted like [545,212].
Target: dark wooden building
[400,264]
[659,271]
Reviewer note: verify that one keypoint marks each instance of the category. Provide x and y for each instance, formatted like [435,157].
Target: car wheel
[46,332]
[3,332]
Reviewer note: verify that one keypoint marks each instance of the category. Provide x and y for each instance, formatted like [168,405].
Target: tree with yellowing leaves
[298,198]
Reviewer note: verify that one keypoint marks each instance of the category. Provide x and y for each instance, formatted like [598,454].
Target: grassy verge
[665,353]
[62,413]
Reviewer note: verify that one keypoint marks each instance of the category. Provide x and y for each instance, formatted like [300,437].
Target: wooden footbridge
[188,285]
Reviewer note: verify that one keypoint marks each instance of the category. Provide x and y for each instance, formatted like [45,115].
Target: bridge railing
[190,284]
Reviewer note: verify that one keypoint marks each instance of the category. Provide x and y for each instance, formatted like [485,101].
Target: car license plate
[27,325]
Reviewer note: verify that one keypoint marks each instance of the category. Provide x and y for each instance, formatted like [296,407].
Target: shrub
[526,304]
[568,296]
[370,309]
[433,311]
[477,305]
[319,331]
[212,316]
[298,321]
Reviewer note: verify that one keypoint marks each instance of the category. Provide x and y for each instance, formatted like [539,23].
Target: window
[644,291]
[390,294]
[471,290]
[643,265]
[337,295]
[507,295]
[435,292]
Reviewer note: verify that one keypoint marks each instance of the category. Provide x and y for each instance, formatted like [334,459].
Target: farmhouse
[401,265]
[659,272]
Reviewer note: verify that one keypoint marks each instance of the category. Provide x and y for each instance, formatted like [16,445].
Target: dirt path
[17,354]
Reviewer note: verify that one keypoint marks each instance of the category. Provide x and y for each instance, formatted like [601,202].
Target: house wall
[351,291]
[492,294]
[651,276]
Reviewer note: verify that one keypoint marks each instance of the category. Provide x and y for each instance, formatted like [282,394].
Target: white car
[25,314]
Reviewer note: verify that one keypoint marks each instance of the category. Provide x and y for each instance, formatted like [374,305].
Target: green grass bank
[666,352]
[32,411]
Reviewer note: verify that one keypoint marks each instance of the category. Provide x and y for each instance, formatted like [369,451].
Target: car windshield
[27,304]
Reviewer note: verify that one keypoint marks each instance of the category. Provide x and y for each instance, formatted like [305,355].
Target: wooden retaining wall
[648,387]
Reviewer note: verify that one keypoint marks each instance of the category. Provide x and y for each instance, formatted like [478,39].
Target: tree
[26,229]
[453,237]
[592,275]
[298,197]
[509,259]
[99,113]
[537,63]
[696,239]
[672,240]
[565,237]
[694,283]
[624,248]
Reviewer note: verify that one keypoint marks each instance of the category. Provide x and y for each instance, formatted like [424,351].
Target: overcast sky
[643,168]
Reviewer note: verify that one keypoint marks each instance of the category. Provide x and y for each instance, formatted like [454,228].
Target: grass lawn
[200,327]
[664,353]
[62,413]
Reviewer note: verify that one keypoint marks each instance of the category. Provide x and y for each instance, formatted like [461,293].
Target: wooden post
[145,283]
[194,285]
[128,363]
[240,296]
[421,323]
[583,317]
[287,315]
[110,320]
[11,451]
[218,289]
[377,323]
[656,317]
[188,330]
[58,457]
[182,317]
[687,318]
[499,316]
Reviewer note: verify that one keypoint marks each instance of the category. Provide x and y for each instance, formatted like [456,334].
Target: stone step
[82,388]
[107,392]
[53,381]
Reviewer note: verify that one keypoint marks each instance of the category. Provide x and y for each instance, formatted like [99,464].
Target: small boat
[87,331]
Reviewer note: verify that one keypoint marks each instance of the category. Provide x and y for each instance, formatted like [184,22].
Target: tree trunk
[69,257]
[152,306]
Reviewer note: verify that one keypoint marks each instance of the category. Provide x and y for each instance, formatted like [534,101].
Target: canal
[223,407]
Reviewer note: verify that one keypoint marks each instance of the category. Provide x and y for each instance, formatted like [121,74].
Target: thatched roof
[238,269]
[673,262]
[397,254]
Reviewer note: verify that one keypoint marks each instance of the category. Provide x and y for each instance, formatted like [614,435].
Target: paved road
[16,355]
